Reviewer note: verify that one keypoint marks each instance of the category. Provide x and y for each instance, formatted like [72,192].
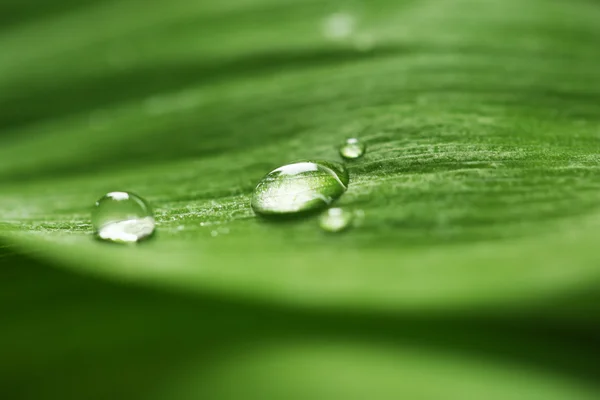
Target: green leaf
[479,189]
[479,186]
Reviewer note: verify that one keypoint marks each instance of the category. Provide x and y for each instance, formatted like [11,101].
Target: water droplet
[352,149]
[339,26]
[298,187]
[122,217]
[335,220]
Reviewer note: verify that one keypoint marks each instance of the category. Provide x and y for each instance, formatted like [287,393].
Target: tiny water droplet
[338,26]
[299,187]
[335,220]
[122,217]
[352,149]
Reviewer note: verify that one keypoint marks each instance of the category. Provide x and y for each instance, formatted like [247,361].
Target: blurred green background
[475,273]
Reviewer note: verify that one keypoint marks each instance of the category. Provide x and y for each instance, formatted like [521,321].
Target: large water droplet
[335,220]
[299,187]
[352,148]
[122,217]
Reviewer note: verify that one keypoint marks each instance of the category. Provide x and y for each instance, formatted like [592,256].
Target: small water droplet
[335,220]
[338,26]
[352,149]
[122,217]
[299,187]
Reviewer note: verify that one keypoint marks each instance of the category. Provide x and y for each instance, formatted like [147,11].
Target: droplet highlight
[122,217]
[300,187]
[335,220]
[352,149]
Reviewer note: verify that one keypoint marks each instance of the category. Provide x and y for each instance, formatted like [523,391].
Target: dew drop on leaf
[300,187]
[338,26]
[352,149]
[335,220]
[122,217]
